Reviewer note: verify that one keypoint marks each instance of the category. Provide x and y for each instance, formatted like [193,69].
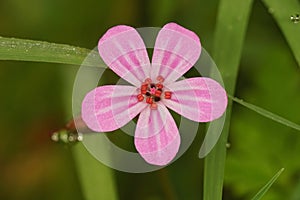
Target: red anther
[157,93]
[153,106]
[168,95]
[140,97]
[148,80]
[159,86]
[160,79]
[143,91]
[149,100]
[144,87]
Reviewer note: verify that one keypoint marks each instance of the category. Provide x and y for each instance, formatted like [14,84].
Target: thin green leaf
[264,189]
[40,51]
[266,113]
[231,27]
[282,11]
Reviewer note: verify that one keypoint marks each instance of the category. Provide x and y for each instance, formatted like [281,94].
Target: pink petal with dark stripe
[176,50]
[198,99]
[108,108]
[124,51]
[157,141]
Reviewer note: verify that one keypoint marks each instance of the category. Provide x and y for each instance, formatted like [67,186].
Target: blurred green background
[33,103]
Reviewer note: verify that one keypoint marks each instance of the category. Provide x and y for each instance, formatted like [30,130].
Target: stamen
[144,88]
[149,100]
[157,93]
[152,92]
[168,95]
[160,79]
[148,81]
[153,106]
[140,97]
[159,86]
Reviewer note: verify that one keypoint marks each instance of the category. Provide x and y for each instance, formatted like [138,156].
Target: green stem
[231,27]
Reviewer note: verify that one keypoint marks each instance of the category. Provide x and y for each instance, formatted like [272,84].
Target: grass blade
[264,189]
[282,11]
[97,180]
[231,27]
[266,113]
[40,51]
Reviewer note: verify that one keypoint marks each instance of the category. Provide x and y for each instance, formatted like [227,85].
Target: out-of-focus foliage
[33,96]
[269,78]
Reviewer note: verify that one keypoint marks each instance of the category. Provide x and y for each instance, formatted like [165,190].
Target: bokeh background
[34,102]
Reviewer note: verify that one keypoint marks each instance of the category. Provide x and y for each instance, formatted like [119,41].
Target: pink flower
[153,89]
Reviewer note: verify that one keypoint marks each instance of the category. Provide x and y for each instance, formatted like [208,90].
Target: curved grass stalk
[41,51]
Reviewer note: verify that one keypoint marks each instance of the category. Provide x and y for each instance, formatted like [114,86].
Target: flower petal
[160,147]
[176,51]
[198,99]
[124,51]
[108,108]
